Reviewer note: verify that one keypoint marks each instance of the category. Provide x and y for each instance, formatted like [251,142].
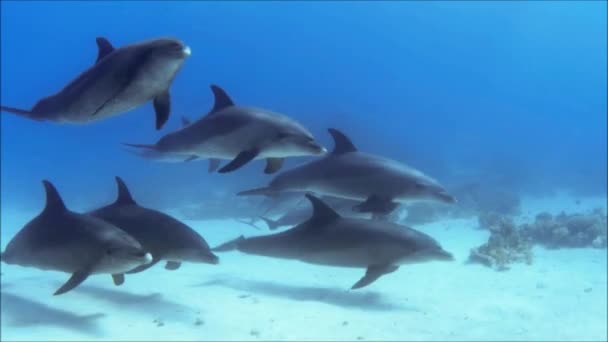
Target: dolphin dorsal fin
[320,210]
[221,101]
[104,48]
[342,143]
[54,203]
[124,196]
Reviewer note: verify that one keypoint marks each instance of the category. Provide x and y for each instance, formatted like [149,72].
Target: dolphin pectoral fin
[376,204]
[172,265]
[191,158]
[104,48]
[373,273]
[228,246]
[76,279]
[162,107]
[118,279]
[240,160]
[141,268]
[214,164]
[273,165]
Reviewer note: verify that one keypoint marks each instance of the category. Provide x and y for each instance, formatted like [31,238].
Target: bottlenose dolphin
[329,239]
[162,235]
[302,213]
[61,240]
[236,133]
[121,79]
[380,182]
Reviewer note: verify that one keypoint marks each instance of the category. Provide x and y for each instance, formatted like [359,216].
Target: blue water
[514,88]
[512,92]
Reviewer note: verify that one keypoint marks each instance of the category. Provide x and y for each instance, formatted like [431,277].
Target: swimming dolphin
[329,239]
[236,133]
[61,240]
[300,214]
[165,237]
[121,79]
[380,182]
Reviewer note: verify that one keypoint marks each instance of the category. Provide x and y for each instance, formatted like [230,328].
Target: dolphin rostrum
[380,182]
[163,236]
[61,240]
[235,133]
[330,239]
[120,80]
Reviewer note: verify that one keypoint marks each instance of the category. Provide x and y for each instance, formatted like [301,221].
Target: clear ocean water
[504,103]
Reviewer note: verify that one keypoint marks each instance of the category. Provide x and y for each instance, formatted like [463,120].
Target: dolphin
[330,239]
[301,214]
[379,182]
[165,237]
[120,80]
[61,240]
[235,133]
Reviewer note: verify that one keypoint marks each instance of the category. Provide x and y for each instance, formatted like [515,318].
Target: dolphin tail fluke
[228,246]
[272,225]
[21,112]
[257,192]
[16,110]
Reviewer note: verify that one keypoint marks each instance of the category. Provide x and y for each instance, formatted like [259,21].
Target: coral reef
[509,243]
[493,221]
[506,245]
[569,230]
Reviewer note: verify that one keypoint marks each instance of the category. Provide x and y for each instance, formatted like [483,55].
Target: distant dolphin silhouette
[62,240]
[300,214]
[329,239]
[236,133]
[120,80]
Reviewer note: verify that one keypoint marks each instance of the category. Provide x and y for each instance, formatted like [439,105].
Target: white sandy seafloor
[561,296]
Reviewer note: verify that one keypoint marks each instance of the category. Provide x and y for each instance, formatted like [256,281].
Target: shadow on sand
[153,304]
[23,312]
[334,296]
